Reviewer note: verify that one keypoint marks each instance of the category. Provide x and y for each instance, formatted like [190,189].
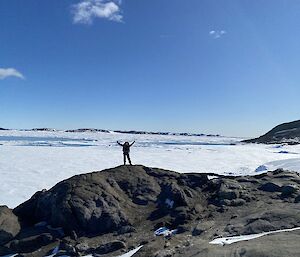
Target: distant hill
[43,129]
[87,130]
[3,129]
[284,133]
[138,132]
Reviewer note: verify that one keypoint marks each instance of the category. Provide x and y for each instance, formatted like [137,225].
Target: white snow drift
[235,239]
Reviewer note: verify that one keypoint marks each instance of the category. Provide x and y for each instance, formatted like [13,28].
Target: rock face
[9,225]
[284,133]
[113,211]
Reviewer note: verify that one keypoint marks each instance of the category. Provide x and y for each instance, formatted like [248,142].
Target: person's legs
[124,159]
[129,159]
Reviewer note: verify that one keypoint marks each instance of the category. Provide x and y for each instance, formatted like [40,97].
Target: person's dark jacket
[126,147]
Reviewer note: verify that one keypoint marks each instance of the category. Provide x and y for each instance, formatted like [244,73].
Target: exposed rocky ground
[109,212]
[284,133]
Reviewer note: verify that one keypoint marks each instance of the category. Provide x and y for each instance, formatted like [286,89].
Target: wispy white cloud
[87,10]
[217,33]
[10,72]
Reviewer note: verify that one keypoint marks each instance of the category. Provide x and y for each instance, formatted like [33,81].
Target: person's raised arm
[132,143]
[119,143]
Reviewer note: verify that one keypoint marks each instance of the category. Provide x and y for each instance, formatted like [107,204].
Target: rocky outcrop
[112,211]
[284,133]
[107,201]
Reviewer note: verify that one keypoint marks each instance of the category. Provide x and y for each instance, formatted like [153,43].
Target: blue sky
[212,66]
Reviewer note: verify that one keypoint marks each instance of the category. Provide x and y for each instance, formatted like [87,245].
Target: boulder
[9,225]
[288,190]
[27,245]
[258,226]
[270,187]
[227,194]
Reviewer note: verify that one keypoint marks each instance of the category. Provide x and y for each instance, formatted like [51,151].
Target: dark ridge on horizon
[136,132]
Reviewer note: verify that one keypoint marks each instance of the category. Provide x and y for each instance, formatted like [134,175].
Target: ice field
[31,161]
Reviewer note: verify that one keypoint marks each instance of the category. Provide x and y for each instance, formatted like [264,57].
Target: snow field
[31,161]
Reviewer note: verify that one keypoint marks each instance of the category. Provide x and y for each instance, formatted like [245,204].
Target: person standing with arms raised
[126,149]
